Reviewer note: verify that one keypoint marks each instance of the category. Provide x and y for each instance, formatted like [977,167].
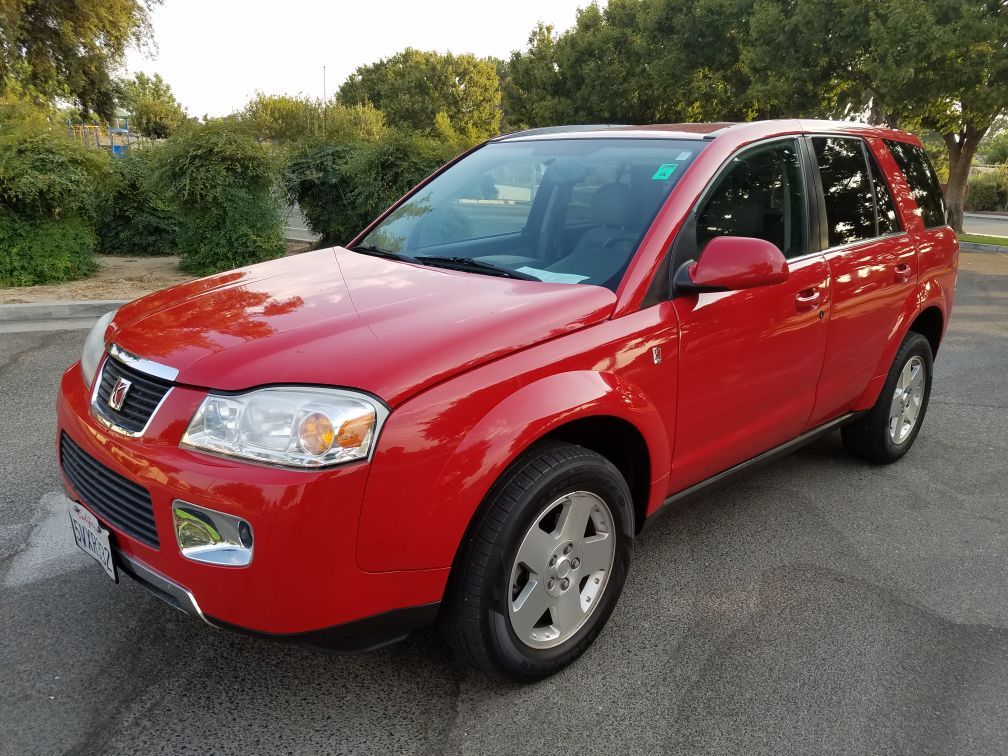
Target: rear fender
[930,293]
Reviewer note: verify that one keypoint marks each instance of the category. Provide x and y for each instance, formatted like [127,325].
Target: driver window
[761,194]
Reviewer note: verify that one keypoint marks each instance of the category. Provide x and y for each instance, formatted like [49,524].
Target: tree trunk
[961,150]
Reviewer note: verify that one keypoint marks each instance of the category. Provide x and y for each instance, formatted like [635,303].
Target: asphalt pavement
[818,605]
[989,225]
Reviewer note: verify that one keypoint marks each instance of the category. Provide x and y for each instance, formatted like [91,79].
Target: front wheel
[544,564]
[889,428]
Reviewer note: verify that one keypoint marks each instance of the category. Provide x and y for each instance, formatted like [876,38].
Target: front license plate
[91,537]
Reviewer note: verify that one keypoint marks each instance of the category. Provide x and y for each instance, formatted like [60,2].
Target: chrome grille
[142,398]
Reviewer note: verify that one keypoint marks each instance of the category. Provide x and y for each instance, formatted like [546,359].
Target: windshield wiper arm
[475,266]
[386,253]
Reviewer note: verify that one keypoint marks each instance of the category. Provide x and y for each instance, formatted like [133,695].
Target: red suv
[468,413]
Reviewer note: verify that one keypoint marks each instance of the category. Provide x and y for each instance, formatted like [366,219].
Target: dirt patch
[117,278]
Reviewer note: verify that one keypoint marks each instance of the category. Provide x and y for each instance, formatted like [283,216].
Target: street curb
[974,247]
[94,308]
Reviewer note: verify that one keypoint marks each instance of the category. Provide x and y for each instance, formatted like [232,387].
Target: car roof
[738,132]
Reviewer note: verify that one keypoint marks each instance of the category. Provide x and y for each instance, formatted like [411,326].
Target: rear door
[872,264]
[749,360]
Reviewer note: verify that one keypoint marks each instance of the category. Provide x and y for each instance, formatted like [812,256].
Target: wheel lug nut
[567,549]
[550,583]
[552,561]
[564,584]
[575,562]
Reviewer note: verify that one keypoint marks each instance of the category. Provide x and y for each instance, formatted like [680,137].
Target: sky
[216,54]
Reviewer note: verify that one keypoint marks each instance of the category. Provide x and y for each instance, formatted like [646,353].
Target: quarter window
[850,206]
[923,181]
[762,195]
[888,221]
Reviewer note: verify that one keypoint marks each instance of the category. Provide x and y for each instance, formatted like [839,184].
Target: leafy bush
[43,250]
[134,215]
[223,182]
[283,118]
[341,187]
[47,204]
[988,191]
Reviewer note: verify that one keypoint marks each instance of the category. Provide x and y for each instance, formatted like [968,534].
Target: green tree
[152,106]
[936,65]
[62,49]
[634,61]
[995,148]
[413,87]
[533,92]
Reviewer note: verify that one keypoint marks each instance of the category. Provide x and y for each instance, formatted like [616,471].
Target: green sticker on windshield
[665,171]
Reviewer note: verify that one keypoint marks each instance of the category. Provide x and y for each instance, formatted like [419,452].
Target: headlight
[94,348]
[299,427]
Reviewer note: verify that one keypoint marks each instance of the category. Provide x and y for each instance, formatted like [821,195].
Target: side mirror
[729,263]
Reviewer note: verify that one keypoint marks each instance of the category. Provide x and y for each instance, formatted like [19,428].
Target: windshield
[557,210]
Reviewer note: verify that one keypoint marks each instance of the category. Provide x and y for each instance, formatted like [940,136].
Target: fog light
[205,535]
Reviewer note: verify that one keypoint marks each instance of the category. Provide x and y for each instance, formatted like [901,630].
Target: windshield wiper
[475,266]
[386,253]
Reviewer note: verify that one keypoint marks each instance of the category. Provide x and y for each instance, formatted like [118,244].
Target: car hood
[340,318]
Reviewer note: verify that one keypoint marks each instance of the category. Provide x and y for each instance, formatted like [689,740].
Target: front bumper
[353,637]
[303,579]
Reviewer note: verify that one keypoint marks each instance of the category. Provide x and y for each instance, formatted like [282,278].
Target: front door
[749,360]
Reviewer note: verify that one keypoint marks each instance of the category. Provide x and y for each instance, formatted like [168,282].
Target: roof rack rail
[559,130]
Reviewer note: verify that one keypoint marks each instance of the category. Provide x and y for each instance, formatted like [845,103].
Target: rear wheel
[544,564]
[889,429]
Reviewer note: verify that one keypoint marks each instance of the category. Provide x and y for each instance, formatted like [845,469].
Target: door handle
[902,272]
[807,300]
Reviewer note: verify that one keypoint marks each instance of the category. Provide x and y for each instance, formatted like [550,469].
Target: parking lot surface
[818,605]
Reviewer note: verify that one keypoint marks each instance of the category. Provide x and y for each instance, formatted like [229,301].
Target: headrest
[611,204]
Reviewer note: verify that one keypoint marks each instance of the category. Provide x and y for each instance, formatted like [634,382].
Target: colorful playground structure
[116,138]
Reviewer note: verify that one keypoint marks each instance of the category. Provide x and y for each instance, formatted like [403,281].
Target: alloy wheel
[907,400]
[561,569]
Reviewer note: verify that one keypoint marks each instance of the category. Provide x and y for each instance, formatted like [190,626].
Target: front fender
[424,488]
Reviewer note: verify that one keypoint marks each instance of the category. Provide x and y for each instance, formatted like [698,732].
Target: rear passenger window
[850,206]
[888,222]
[762,195]
[923,181]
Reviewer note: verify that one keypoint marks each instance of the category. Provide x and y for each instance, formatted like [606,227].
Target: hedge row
[47,207]
[341,187]
[988,191]
[210,193]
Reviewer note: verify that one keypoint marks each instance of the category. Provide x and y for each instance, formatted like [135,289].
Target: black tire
[475,620]
[869,437]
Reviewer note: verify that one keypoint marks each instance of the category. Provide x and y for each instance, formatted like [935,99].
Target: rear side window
[762,194]
[847,189]
[923,181]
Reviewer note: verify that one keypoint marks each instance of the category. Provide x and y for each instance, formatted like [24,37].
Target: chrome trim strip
[156,369]
[859,242]
[155,581]
[97,414]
